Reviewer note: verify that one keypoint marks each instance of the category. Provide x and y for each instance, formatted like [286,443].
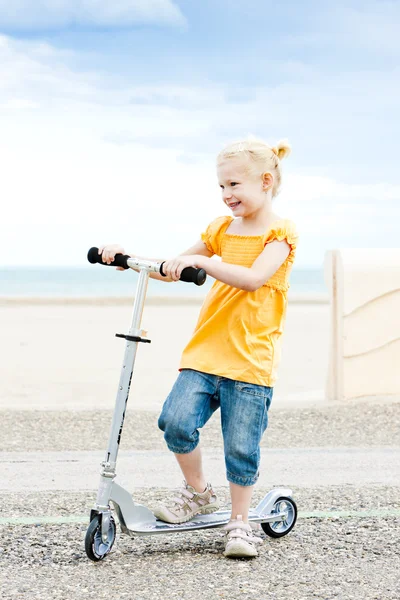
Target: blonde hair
[260,157]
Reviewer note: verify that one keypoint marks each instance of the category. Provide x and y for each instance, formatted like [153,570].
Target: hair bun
[282,149]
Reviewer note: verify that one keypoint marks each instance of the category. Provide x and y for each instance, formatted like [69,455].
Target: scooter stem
[108,471]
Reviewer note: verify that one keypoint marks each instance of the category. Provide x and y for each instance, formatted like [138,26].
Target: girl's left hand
[174,267]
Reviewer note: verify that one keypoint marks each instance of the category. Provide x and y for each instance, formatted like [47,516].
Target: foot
[186,504]
[240,541]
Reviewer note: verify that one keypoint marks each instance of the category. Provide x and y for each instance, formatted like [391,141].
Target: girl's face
[243,192]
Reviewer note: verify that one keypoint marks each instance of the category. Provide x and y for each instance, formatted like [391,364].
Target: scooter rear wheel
[95,548]
[278,529]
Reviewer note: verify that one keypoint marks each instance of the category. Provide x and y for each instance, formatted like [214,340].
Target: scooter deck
[137,519]
[217,519]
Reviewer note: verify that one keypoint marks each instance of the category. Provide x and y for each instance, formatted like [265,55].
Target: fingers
[108,252]
[172,270]
[176,271]
[107,256]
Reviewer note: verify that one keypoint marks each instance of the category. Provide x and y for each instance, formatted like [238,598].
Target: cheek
[250,194]
[258,194]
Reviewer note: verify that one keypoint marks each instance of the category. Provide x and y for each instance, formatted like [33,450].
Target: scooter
[277,511]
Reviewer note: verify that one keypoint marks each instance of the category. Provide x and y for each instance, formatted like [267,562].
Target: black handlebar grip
[120,260]
[190,275]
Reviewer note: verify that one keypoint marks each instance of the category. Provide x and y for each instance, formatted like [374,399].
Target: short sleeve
[284,230]
[212,235]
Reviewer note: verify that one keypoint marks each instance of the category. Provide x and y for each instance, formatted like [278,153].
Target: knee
[171,425]
[240,449]
[162,422]
[178,434]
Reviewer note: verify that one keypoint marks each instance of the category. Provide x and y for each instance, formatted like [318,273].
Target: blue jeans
[195,396]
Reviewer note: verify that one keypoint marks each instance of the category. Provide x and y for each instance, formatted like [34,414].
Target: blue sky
[112,114]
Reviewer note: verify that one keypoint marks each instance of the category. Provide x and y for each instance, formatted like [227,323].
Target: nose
[226,194]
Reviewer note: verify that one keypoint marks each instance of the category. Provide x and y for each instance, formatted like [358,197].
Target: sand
[64,355]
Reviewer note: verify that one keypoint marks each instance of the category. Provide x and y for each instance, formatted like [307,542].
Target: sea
[100,281]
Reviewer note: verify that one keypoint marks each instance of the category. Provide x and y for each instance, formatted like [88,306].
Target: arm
[249,279]
[199,249]
[108,254]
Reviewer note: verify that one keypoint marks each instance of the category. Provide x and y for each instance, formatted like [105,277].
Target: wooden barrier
[364,287]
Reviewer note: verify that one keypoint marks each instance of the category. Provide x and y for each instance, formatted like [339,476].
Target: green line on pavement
[44,520]
[374,512]
[333,514]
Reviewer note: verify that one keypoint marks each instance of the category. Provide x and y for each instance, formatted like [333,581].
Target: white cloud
[25,15]
[348,114]
[374,26]
[40,73]
[83,165]
[333,214]
[369,26]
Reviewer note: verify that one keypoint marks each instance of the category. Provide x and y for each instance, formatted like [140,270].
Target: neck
[261,217]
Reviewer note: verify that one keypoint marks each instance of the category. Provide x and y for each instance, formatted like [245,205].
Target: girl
[231,360]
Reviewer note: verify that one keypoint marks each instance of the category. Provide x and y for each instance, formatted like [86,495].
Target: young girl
[231,360]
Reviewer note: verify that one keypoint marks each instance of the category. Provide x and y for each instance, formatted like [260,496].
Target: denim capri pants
[195,396]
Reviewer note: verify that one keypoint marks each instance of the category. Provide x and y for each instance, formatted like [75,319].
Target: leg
[241,500]
[188,407]
[192,469]
[244,418]
[240,540]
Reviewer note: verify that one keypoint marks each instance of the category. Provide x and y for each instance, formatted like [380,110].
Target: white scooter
[277,511]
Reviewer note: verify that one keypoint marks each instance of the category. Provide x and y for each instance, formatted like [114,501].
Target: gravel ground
[333,498]
[325,558]
[331,558]
[358,425]
[357,558]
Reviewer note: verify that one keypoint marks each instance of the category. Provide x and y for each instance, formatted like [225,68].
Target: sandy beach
[64,355]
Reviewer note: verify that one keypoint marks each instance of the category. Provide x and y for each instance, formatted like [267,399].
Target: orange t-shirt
[238,333]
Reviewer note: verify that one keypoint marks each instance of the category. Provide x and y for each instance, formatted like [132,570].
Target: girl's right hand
[108,253]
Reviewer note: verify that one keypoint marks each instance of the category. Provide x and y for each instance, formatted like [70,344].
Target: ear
[267,181]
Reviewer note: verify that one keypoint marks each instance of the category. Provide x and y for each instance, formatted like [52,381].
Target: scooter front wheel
[96,548]
[278,529]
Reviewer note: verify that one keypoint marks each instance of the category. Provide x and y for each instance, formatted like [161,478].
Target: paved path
[299,467]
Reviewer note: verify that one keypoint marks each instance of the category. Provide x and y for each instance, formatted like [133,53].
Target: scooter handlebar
[120,260]
[189,274]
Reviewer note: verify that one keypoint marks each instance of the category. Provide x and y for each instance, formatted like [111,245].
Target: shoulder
[283,229]
[218,225]
[219,222]
[211,237]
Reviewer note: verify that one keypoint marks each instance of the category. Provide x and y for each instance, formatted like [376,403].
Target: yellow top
[238,333]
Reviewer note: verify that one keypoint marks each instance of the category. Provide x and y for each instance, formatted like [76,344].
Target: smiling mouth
[234,204]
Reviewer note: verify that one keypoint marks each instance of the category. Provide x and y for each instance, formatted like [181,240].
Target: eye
[234,183]
[222,187]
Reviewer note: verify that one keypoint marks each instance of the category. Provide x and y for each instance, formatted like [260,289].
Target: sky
[112,115]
